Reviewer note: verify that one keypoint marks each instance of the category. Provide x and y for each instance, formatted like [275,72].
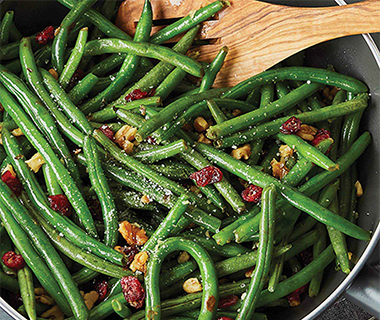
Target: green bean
[129,65]
[275,271]
[149,50]
[60,40]
[318,248]
[295,197]
[254,97]
[160,153]
[217,114]
[102,189]
[83,88]
[255,116]
[38,141]
[171,111]
[14,66]
[167,225]
[173,170]
[52,184]
[264,255]
[186,23]
[74,59]
[322,76]
[338,242]
[25,281]
[212,69]
[354,177]
[32,258]
[210,285]
[40,308]
[45,120]
[107,65]
[168,85]
[9,283]
[120,308]
[271,154]
[307,151]
[5,27]
[273,127]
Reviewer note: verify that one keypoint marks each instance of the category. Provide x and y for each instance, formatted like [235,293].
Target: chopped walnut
[359,188]
[145,199]
[17,132]
[124,136]
[203,139]
[183,257]
[307,132]
[132,234]
[249,273]
[242,152]
[119,249]
[54,313]
[286,152]
[236,112]
[200,124]
[35,162]
[43,297]
[350,255]
[279,170]
[54,73]
[192,285]
[90,298]
[139,262]
[329,93]
[56,31]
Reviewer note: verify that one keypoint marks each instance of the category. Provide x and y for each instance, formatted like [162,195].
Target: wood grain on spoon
[259,34]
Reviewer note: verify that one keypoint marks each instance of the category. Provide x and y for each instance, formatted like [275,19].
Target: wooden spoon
[258,34]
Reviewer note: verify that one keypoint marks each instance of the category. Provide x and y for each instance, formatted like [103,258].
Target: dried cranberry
[252,193]
[207,175]
[321,135]
[133,291]
[61,204]
[138,94]
[13,260]
[107,132]
[130,252]
[102,288]
[225,318]
[228,301]
[290,126]
[12,182]
[45,35]
[294,298]
[78,75]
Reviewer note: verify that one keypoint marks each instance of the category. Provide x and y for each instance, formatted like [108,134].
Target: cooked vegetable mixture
[132,188]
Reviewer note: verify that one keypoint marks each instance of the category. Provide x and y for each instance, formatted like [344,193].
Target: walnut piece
[139,262]
[183,257]
[54,313]
[359,189]
[35,162]
[90,298]
[43,297]
[145,199]
[236,112]
[124,136]
[307,132]
[279,170]
[17,132]
[286,152]
[242,152]
[192,285]
[132,234]
[200,124]
[203,139]
[53,73]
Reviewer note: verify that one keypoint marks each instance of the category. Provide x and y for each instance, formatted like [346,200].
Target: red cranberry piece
[228,301]
[294,298]
[321,135]
[102,288]
[207,175]
[13,260]
[78,75]
[107,131]
[130,252]
[45,35]
[225,318]
[252,193]
[61,204]
[12,182]
[138,94]
[133,291]
[290,126]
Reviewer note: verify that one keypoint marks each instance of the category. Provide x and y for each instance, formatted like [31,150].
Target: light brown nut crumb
[249,273]
[54,313]
[359,189]
[236,112]
[203,139]
[307,132]
[286,152]
[192,285]
[350,255]
[90,298]
[242,152]
[139,262]
[56,31]
[145,199]
[54,73]
[132,234]
[200,124]
[279,170]
[17,132]
[195,189]
[183,257]
[35,162]
[124,136]
[43,297]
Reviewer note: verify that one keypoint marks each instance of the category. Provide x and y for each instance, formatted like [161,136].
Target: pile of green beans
[120,145]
